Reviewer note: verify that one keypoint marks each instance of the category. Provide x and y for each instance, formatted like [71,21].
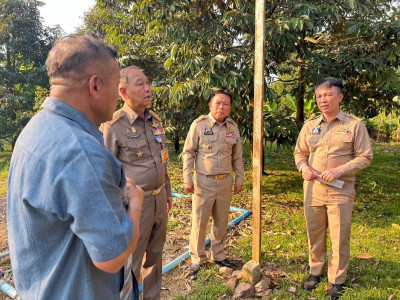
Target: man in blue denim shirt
[69,233]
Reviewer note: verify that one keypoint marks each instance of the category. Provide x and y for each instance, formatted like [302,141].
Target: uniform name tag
[316,130]
[208,130]
[133,136]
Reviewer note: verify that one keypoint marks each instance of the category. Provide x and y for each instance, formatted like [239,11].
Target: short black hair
[330,82]
[225,92]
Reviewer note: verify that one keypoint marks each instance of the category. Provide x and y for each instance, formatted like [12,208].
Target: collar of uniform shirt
[340,116]
[133,115]
[213,121]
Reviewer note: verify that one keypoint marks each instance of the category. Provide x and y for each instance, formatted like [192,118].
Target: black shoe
[224,263]
[311,282]
[194,269]
[334,291]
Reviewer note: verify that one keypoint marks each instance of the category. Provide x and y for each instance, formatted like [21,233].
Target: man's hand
[237,189]
[134,194]
[331,174]
[189,187]
[309,173]
[169,203]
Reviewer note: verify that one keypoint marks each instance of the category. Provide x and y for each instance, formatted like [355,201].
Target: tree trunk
[300,96]
[176,142]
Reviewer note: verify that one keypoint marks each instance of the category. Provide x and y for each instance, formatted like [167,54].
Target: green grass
[207,286]
[4,164]
[284,240]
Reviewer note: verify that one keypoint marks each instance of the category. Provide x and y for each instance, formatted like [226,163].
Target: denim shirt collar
[67,111]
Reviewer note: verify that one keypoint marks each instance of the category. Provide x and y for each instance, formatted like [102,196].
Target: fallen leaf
[364,256]
[188,287]
[397,226]
[292,289]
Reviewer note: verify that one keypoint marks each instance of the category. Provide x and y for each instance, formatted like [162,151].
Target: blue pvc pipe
[186,255]
[4,286]
[8,289]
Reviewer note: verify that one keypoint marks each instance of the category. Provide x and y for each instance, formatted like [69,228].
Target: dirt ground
[5,264]
[176,282]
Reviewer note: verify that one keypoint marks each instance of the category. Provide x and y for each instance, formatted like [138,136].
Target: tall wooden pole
[259,62]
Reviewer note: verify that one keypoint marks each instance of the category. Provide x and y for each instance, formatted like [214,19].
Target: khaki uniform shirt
[140,145]
[213,148]
[343,143]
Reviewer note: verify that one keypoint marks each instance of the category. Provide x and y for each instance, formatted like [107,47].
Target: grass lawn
[4,163]
[375,230]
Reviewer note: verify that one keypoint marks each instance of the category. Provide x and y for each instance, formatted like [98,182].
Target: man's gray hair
[124,75]
[72,56]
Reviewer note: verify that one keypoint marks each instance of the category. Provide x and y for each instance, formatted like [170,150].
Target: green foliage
[190,48]
[384,128]
[351,40]
[4,164]
[24,44]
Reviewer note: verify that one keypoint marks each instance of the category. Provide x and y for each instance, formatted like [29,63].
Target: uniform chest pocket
[135,143]
[208,142]
[136,150]
[313,142]
[229,142]
[342,141]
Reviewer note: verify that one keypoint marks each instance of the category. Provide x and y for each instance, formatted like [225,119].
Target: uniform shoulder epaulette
[231,121]
[353,116]
[201,118]
[117,115]
[316,117]
[155,115]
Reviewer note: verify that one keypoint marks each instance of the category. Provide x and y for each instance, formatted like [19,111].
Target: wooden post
[259,79]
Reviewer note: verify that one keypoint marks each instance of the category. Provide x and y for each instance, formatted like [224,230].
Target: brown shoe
[334,291]
[311,282]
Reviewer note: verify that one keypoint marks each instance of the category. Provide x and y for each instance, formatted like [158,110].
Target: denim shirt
[64,208]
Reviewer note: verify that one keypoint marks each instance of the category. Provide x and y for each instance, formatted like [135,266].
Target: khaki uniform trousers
[147,256]
[325,211]
[212,197]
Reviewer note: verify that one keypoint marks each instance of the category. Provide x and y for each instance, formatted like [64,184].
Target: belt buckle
[157,191]
[220,176]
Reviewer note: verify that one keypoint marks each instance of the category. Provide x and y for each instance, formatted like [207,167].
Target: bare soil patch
[5,263]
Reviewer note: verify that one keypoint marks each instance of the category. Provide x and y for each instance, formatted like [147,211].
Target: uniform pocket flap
[230,140]
[208,138]
[314,139]
[135,143]
[346,138]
